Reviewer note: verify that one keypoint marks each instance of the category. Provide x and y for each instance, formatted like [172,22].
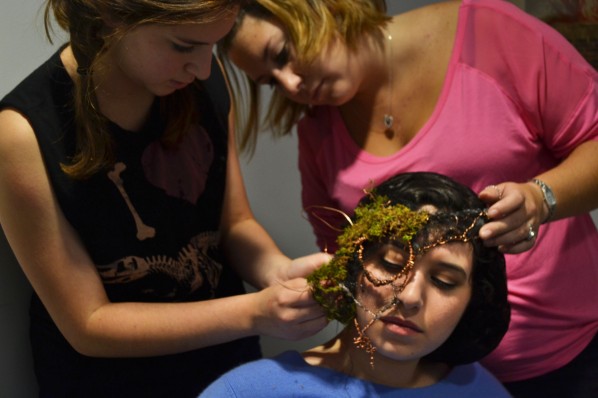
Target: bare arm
[257,258]
[247,244]
[63,275]
[516,206]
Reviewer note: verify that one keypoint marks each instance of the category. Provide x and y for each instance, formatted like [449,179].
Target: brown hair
[85,21]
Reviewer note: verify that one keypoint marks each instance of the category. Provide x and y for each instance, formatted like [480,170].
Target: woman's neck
[382,91]
[342,355]
[374,80]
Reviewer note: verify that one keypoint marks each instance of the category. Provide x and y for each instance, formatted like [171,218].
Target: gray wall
[22,47]
[271,177]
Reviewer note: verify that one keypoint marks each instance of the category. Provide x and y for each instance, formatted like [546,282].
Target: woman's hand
[516,211]
[288,311]
[287,308]
[301,267]
[285,269]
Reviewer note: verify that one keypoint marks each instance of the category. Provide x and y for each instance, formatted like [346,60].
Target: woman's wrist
[548,200]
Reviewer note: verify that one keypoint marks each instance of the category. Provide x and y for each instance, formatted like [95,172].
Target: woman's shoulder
[44,91]
[286,374]
[429,18]
[39,106]
[425,39]
[22,173]
[16,134]
[265,367]
[475,379]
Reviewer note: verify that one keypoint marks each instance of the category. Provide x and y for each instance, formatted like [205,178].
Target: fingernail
[493,213]
[485,234]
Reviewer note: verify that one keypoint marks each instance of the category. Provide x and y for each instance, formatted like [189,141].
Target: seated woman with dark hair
[422,297]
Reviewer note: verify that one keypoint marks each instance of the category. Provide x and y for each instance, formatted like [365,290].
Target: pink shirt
[516,101]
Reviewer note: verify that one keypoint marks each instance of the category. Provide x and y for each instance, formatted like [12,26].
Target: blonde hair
[310,26]
[85,21]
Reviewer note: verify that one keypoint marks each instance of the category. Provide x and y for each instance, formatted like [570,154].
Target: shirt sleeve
[554,88]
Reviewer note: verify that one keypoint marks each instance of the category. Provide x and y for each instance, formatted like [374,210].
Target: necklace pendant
[388,120]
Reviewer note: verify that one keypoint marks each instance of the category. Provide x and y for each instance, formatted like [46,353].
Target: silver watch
[549,198]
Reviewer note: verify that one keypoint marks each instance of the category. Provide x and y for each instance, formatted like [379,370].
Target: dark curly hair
[487,316]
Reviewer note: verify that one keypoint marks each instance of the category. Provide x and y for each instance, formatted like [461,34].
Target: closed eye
[443,284]
[391,256]
[182,49]
[282,58]
[392,266]
[447,276]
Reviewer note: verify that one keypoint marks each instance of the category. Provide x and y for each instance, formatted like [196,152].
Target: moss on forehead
[373,221]
[379,219]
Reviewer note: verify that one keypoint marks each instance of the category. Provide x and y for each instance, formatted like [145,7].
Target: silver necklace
[388,118]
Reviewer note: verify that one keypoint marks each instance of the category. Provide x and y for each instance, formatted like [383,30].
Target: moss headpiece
[333,284]
[373,221]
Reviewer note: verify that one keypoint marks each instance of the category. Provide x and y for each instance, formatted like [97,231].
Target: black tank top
[151,225]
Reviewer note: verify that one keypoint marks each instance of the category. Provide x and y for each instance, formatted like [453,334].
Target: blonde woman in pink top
[477,90]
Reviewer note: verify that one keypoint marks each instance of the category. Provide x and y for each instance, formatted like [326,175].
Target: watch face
[549,197]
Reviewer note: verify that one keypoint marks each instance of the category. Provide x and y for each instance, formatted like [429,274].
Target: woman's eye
[393,259]
[384,262]
[282,58]
[392,264]
[443,284]
[182,49]
[394,255]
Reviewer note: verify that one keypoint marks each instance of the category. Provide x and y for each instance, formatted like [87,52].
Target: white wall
[271,177]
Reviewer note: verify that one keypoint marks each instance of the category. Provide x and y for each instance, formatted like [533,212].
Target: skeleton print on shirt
[189,271]
[181,172]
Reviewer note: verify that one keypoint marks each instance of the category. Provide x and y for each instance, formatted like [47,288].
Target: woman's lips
[401,326]
[179,85]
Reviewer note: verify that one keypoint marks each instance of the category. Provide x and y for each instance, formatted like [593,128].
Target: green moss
[373,222]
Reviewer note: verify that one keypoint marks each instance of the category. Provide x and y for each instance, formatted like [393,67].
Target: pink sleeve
[555,87]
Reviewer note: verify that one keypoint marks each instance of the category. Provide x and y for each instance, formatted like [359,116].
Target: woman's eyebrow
[452,267]
[191,41]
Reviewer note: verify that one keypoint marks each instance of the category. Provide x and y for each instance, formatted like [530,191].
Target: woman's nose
[412,294]
[289,81]
[200,65]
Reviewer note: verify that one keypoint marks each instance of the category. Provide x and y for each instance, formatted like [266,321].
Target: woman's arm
[257,258]
[65,278]
[559,107]
[516,206]
[247,244]
[574,182]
